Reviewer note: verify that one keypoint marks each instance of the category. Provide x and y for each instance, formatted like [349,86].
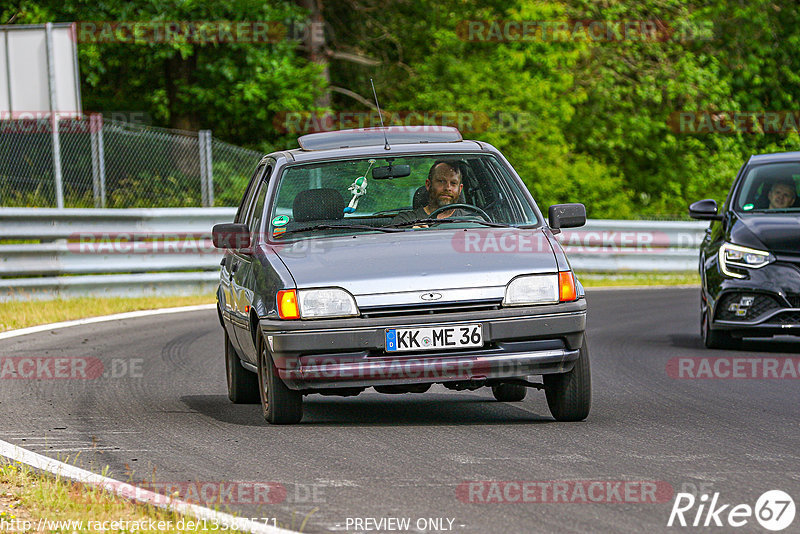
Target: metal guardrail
[636,246]
[59,265]
[50,224]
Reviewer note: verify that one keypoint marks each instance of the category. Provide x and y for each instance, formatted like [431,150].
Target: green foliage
[580,119]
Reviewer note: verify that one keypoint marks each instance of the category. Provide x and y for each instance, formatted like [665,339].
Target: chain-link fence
[91,162]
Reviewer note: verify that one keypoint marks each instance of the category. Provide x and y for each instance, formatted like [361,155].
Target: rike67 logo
[774,510]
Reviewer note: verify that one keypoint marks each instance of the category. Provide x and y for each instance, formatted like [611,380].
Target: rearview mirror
[705,210]
[566,216]
[231,236]
[391,171]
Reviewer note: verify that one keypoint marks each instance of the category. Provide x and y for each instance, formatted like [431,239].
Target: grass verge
[638,279]
[21,314]
[34,502]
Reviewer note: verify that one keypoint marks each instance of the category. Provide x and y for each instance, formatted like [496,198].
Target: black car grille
[786,318]
[761,304]
[794,300]
[417,309]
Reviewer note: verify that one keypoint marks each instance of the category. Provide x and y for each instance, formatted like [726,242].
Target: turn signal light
[287,304]
[566,287]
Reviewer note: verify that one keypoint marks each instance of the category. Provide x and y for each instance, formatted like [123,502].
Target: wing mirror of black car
[231,236]
[705,210]
[566,216]
[391,171]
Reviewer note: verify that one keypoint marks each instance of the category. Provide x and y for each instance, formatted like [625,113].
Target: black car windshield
[404,193]
[770,188]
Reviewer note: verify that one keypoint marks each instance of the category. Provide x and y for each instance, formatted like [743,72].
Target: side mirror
[566,216]
[705,210]
[231,236]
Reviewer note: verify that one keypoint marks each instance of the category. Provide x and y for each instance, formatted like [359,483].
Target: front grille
[733,302]
[419,309]
[786,318]
[794,300]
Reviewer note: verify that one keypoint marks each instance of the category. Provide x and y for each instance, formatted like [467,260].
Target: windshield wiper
[446,220]
[338,226]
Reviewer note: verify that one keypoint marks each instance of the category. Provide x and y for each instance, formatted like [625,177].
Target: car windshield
[770,188]
[396,194]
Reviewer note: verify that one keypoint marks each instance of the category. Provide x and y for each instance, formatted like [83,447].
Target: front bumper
[345,353]
[766,303]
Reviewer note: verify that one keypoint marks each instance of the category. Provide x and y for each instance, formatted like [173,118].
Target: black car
[750,257]
[439,270]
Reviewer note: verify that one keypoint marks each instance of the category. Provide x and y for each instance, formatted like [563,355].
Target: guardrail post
[206,172]
[98,160]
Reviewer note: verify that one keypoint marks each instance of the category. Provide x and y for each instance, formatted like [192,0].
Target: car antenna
[380,116]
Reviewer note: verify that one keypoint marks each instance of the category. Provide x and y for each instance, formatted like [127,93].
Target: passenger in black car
[782,194]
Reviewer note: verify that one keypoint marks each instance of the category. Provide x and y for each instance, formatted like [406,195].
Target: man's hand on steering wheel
[469,207]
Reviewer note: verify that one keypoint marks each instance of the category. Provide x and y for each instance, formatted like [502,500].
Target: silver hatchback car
[397,258]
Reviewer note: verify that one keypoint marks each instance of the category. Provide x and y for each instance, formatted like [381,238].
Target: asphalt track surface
[405,456]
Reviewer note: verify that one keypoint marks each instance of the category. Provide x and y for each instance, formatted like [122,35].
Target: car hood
[773,232]
[399,268]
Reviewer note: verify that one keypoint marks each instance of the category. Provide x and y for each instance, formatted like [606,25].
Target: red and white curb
[134,493]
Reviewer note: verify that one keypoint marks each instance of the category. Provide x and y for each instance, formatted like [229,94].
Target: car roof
[775,157]
[366,142]
[398,135]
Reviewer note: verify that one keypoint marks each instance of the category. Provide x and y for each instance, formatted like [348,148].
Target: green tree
[234,88]
[526,90]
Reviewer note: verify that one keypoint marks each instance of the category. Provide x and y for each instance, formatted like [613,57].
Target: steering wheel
[470,207]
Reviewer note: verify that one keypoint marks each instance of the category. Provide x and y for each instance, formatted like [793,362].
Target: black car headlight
[738,257]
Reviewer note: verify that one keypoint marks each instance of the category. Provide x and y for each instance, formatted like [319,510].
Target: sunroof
[396,135]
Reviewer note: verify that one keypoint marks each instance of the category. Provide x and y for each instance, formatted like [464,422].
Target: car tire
[569,395]
[242,384]
[279,404]
[509,392]
[715,339]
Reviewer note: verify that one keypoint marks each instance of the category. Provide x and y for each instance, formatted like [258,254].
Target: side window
[241,213]
[257,214]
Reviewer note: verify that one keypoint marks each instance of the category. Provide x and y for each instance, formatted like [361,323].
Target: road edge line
[134,493]
[101,319]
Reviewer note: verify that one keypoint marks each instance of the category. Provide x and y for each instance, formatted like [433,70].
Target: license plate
[434,337]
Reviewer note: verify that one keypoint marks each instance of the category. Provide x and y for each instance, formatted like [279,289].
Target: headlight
[731,255]
[534,289]
[333,302]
